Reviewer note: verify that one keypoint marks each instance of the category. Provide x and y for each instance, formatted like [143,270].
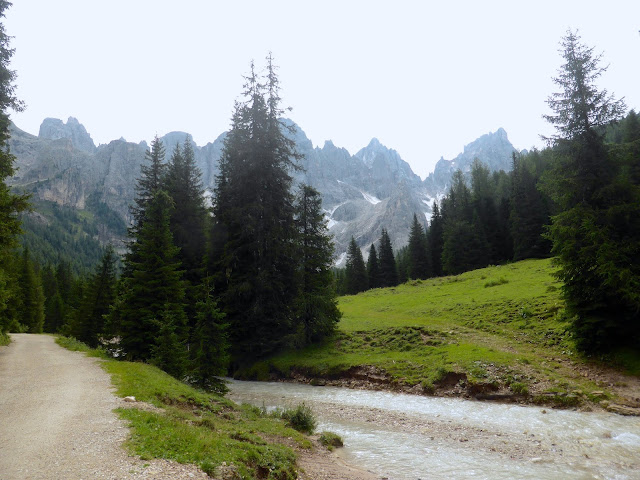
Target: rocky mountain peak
[54,129]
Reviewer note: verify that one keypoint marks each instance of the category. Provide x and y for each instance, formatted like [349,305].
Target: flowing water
[407,437]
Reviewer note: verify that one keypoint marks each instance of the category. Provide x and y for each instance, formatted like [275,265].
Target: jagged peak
[54,129]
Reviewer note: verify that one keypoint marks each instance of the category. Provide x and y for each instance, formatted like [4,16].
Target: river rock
[624,410]
[129,399]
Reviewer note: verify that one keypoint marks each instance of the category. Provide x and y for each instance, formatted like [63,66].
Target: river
[408,437]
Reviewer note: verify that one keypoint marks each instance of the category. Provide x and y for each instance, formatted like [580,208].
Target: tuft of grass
[330,440]
[495,283]
[5,339]
[198,427]
[75,345]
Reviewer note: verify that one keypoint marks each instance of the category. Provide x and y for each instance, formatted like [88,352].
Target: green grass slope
[497,332]
[195,427]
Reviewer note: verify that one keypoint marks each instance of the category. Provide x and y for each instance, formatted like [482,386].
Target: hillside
[494,333]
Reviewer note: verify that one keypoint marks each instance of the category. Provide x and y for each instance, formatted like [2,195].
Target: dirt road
[56,419]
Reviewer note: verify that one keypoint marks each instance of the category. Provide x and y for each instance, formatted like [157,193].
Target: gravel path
[56,419]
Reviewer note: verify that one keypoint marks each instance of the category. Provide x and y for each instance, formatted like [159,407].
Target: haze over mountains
[362,192]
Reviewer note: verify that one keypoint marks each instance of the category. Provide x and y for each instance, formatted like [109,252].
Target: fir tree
[373,268]
[388,270]
[211,344]
[355,271]
[316,305]
[31,297]
[254,209]
[436,240]
[596,235]
[96,303]
[10,203]
[153,292]
[419,259]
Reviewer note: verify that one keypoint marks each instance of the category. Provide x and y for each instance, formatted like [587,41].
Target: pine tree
[596,234]
[316,306]
[436,240]
[388,270]
[355,271]
[96,303]
[211,344]
[529,214]
[188,219]
[419,258]
[11,204]
[373,268]
[31,297]
[255,212]
[153,293]
[184,185]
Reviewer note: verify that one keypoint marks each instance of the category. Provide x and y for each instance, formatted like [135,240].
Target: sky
[425,78]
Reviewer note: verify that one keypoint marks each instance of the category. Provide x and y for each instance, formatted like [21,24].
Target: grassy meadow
[503,327]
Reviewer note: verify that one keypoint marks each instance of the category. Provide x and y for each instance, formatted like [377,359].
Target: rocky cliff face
[361,193]
[492,149]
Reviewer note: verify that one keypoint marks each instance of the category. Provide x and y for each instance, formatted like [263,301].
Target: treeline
[485,219]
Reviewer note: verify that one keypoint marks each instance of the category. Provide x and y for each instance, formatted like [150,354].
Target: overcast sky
[423,77]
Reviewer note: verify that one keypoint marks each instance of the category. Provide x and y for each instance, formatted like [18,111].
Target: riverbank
[186,427]
[496,334]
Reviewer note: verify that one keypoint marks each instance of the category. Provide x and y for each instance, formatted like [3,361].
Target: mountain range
[362,192]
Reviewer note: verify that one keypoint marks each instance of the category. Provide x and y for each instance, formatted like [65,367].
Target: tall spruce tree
[387,261]
[373,268]
[211,343]
[10,203]
[435,239]
[388,270]
[153,292]
[316,307]
[419,258]
[31,297]
[254,207]
[99,296]
[596,236]
[355,270]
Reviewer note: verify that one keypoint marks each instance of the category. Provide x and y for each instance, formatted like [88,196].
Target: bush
[330,440]
[495,283]
[300,418]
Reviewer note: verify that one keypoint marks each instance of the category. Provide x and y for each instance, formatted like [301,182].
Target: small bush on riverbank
[330,440]
[301,418]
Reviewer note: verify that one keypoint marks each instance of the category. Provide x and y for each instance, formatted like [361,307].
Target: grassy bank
[199,428]
[497,331]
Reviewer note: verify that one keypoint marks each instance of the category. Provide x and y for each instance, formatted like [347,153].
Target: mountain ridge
[362,192]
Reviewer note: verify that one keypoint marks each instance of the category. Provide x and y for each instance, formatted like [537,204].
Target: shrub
[495,283]
[330,440]
[300,418]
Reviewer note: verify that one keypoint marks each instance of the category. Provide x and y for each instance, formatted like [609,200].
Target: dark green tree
[31,297]
[153,293]
[53,305]
[355,270]
[211,344]
[435,237]
[373,268]
[419,258]
[316,306]
[11,204]
[184,185]
[388,270]
[529,213]
[596,235]
[254,210]
[99,296]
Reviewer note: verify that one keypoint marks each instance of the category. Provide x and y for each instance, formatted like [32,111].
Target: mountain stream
[408,437]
